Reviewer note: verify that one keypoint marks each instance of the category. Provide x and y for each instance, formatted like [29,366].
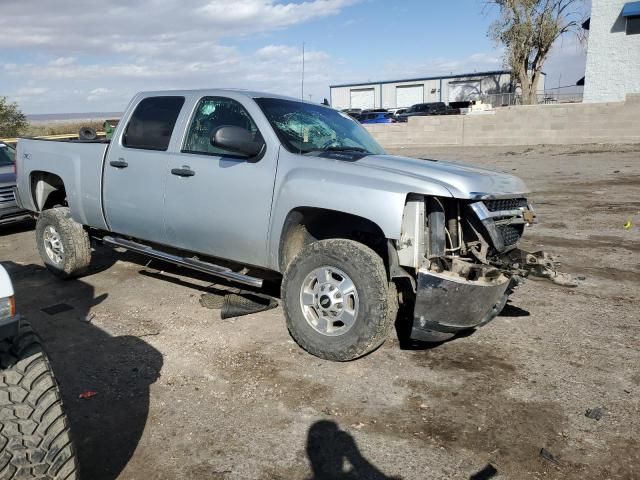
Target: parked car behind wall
[376,117]
[424,109]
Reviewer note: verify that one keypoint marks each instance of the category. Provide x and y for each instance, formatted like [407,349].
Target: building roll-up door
[464,91]
[364,98]
[409,95]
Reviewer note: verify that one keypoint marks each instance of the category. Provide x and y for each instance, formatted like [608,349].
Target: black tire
[76,256]
[87,134]
[377,299]
[35,441]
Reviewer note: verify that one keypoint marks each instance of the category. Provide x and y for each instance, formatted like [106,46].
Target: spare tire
[35,440]
[87,134]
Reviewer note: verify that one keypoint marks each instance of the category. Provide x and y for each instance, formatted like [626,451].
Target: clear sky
[67,56]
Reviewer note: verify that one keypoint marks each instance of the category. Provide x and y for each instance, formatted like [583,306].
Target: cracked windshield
[305,128]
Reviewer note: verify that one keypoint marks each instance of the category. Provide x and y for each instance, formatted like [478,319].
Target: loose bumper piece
[448,303]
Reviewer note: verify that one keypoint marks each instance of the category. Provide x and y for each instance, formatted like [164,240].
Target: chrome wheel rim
[53,245]
[329,301]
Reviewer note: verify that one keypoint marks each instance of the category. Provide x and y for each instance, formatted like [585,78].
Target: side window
[212,113]
[633,25]
[7,155]
[152,123]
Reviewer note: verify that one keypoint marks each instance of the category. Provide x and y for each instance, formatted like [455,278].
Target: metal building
[404,93]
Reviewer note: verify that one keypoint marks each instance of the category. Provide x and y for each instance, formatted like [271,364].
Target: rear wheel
[63,243]
[337,299]
[35,442]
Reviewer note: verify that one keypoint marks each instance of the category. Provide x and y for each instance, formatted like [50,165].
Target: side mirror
[237,140]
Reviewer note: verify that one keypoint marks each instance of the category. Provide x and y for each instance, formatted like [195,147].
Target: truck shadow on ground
[329,448]
[120,369]
[17,227]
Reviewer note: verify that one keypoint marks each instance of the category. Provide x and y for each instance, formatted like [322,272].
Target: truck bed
[79,163]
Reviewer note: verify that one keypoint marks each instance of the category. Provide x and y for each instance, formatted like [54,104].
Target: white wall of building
[613,57]
[491,84]
[430,92]
[341,97]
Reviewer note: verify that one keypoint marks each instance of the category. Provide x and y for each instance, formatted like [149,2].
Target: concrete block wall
[613,56]
[562,124]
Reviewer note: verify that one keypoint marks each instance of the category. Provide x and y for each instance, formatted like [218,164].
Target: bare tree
[528,29]
[12,121]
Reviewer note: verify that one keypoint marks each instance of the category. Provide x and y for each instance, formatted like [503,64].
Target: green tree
[12,121]
[528,29]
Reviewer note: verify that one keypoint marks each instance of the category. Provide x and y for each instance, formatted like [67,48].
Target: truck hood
[461,180]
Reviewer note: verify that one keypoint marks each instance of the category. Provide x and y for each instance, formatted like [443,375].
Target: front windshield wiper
[335,148]
[346,149]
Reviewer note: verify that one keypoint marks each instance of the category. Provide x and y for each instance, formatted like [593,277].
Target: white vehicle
[35,441]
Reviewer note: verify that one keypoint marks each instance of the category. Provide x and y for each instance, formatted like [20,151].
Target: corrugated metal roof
[631,9]
[422,79]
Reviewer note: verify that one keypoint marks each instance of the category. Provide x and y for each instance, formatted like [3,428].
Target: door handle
[185,171]
[120,163]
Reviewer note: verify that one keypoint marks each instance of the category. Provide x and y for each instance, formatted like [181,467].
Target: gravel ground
[184,394]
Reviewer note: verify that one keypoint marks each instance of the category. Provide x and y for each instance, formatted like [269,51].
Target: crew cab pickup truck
[233,182]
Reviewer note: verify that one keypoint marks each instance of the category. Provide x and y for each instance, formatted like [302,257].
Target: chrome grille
[510,234]
[504,220]
[505,204]
[6,194]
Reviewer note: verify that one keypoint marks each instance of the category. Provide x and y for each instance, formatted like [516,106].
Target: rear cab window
[152,123]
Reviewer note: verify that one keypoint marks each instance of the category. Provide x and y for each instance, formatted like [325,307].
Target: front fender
[339,186]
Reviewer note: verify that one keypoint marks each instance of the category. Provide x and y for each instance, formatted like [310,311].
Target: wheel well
[306,224]
[48,190]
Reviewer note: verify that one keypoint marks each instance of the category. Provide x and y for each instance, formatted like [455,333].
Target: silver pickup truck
[235,182]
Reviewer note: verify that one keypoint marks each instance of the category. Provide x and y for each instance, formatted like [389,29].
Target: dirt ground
[184,394]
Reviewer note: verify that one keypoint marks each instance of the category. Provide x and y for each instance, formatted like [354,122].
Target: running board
[191,263]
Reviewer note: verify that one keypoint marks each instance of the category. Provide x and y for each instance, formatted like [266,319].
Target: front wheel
[337,299]
[63,243]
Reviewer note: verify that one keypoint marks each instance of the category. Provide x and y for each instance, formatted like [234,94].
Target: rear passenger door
[135,170]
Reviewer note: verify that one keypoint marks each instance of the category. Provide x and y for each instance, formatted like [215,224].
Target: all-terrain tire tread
[30,405]
[378,297]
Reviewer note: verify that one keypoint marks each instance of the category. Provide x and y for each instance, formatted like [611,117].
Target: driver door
[218,203]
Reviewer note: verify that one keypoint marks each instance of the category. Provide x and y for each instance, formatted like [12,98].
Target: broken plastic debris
[594,413]
[88,394]
[563,279]
[627,225]
[547,455]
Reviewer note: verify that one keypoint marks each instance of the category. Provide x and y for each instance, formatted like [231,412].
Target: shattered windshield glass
[305,128]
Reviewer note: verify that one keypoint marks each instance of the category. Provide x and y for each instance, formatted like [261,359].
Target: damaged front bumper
[447,303]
